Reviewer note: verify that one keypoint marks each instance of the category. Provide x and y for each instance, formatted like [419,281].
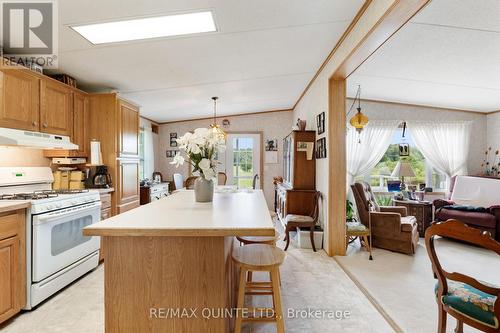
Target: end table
[422,210]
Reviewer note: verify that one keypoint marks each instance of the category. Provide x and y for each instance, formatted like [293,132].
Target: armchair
[391,228]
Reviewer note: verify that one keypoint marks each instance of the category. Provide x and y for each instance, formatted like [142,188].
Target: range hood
[13,137]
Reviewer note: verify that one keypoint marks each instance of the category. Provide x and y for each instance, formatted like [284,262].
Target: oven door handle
[44,218]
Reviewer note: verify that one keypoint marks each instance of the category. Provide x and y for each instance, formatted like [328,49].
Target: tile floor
[309,280]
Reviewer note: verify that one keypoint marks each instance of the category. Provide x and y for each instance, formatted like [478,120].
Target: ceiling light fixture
[214,127]
[149,27]
[359,120]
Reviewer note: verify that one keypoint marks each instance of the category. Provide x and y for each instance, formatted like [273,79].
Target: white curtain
[149,153]
[363,156]
[445,145]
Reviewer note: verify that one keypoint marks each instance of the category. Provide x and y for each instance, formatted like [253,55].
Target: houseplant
[201,148]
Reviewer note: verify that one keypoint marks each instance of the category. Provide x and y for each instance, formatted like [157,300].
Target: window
[424,172]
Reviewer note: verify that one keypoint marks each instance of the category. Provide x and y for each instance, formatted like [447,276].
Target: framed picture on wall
[171,153]
[173,139]
[320,122]
[321,148]
[271,144]
[404,149]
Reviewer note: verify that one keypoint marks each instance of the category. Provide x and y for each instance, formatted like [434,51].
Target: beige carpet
[403,285]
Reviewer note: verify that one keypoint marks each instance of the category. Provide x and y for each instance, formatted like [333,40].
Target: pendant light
[216,130]
[359,120]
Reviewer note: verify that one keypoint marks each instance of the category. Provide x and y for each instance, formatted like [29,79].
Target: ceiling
[447,56]
[262,57]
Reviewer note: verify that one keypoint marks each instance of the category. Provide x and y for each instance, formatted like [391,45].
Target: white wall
[274,125]
[389,111]
[17,156]
[493,131]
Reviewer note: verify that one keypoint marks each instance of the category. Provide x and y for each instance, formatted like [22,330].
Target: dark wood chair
[221,178]
[158,173]
[468,300]
[293,221]
[189,182]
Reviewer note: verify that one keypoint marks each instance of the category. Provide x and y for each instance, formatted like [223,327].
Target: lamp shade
[403,169]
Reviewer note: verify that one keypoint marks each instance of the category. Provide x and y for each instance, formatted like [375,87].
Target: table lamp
[403,169]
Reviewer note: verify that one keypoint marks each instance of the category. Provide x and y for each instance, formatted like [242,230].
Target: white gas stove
[57,253]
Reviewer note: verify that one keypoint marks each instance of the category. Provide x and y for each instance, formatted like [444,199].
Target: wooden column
[337,164]
[375,23]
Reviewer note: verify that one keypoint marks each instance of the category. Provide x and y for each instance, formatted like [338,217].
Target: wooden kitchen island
[168,264]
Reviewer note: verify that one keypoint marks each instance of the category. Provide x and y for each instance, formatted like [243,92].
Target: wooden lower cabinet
[127,189]
[106,213]
[12,264]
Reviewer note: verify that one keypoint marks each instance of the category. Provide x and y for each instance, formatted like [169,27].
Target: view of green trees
[243,167]
[391,158]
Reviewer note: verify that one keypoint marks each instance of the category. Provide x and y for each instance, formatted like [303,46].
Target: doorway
[242,159]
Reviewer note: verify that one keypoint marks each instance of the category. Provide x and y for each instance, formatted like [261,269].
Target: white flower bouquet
[201,148]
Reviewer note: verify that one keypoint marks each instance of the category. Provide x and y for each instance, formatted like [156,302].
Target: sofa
[473,200]
[391,227]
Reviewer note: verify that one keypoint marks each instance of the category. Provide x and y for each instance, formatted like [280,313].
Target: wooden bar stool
[247,240]
[259,258]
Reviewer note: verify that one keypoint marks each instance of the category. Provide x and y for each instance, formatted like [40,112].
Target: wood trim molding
[360,12]
[151,120]
[492,112]
[224,116]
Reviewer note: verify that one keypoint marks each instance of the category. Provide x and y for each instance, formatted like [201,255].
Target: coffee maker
[98,177]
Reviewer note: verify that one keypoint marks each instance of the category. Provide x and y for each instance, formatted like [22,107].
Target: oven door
[58,239]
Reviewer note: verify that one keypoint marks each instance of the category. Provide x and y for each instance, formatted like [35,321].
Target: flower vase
[203,190]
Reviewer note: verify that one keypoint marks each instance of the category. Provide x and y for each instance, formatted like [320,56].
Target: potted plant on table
[201,148]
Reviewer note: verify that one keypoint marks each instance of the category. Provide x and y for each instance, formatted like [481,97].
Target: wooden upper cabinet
[128,129]
[56,108]
[19,99]
[81,123]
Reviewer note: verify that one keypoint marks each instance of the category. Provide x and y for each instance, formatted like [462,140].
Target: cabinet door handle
[45,125]
[34,123]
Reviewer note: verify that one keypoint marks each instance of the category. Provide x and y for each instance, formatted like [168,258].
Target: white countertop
[242,213]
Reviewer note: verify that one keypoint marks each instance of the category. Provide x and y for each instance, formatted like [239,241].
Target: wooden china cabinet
[296,194]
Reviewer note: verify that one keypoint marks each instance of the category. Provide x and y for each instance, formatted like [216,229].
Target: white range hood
[13,137]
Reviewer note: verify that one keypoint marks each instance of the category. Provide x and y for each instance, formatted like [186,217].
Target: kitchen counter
[231,214]
[175,254]
[6,206]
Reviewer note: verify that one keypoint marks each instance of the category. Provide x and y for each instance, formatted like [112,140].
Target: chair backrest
[315,211]
[189,183]
[364,197]
[158,173]
[221,178]
[178,181]
[456,230]
[254,181]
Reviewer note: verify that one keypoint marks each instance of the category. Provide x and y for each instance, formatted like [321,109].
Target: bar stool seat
[246,240]
[259,258]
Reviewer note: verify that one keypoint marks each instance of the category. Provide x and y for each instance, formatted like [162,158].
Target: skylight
[145,28]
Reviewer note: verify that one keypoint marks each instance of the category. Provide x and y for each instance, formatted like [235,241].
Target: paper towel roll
[95,153]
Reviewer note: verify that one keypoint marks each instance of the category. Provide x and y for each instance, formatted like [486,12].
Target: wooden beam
[337,166]
[379,21]
[394,19]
